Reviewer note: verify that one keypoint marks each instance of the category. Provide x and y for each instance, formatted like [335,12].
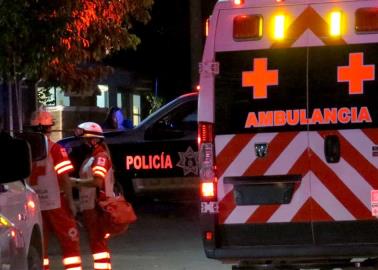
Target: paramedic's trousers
[61,222]
[97,240]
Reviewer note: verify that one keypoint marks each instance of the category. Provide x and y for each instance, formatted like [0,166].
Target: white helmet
[89,130]
[42,118]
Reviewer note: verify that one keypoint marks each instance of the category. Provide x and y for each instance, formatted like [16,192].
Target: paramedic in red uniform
[50,180]
[96,179]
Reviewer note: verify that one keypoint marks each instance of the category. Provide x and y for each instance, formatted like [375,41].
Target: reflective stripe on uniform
[99,171]
[62,164]
[101,255]
[102,261]
[99,168]
[102,266]
[72,263]
[74,268]
[71,260]
[64,169]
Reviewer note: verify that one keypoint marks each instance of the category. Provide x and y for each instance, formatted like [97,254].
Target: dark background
[171,46]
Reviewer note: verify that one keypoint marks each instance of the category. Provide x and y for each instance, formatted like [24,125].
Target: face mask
[88,145]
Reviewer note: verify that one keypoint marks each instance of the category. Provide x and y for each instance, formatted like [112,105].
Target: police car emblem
[188,161]
[261,150]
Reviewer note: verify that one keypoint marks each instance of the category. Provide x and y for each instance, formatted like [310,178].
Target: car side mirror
[37,142]
[16,162]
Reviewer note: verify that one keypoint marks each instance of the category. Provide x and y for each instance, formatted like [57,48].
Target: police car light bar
[366,20]
[247,27]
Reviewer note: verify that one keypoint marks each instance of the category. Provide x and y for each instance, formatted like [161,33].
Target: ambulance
[288,134]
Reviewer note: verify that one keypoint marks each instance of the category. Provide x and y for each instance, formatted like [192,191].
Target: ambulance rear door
[343,95]
[260,145]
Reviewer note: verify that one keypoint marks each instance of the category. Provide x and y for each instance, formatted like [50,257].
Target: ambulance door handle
[332,148]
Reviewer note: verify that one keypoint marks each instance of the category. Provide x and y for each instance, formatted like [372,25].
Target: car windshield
[151,116]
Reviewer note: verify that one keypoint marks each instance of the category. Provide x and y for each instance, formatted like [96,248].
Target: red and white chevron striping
[337,191]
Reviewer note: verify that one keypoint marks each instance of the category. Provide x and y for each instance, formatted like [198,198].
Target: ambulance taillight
[208,189]
[366,20]
[205,133]
[207,24]
[247,27]
[206,160]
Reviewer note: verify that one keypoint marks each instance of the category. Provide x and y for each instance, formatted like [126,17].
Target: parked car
[159,157]
[21,242]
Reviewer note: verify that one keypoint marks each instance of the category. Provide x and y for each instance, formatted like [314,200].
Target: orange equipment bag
[116,213]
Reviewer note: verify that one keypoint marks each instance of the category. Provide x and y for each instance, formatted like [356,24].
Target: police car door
[168,153]
[343,94]
[261,138]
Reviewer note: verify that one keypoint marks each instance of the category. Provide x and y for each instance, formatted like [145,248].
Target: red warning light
[238,2]
[247,27]
[366,20]
[209,236]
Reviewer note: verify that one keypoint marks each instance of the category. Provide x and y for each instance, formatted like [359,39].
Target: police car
[159,157]
[21,242]
[288,125]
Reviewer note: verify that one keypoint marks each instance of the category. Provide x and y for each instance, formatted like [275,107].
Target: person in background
[96,179]
[115,120]
[50,180]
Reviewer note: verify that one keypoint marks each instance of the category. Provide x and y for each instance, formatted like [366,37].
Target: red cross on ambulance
[260,78]
[356,73]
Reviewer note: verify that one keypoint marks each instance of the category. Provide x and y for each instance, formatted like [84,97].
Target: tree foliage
[154,102]
[61,41]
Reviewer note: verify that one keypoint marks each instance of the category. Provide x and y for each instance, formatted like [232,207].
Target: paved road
[166,237]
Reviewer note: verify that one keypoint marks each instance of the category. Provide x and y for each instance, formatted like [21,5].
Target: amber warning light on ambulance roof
[335,23]
[366,20]
[247,27]
[279,27]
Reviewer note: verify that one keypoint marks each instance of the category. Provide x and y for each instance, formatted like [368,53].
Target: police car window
[183,117]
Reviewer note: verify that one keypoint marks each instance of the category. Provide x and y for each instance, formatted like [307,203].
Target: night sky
[164,54]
